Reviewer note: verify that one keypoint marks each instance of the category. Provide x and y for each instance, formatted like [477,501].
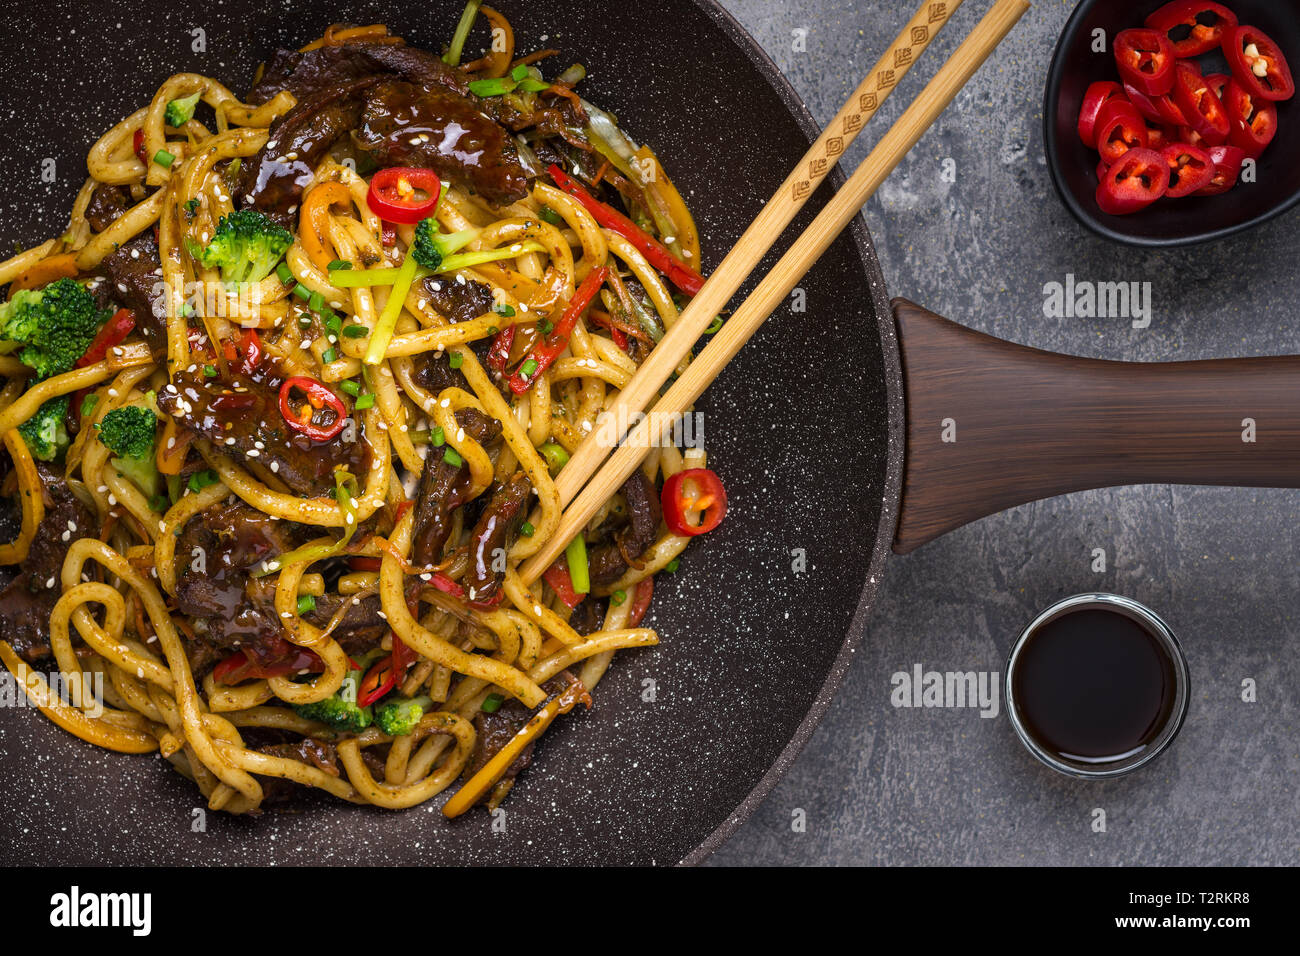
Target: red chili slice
[640,599]
[694,490]
[1201,106]
[318,397]
[110,335]
[1146,60]
[1254,121]
[275,657]
[1249,49]
[137,146]
[1119,128]
[1138,179]
[1158,109]
[1094,98]
[1190,169]
[1159,135]
[1227,167]
[1205,23]
[544,353]
[499,353]
[557,576]
[395,194]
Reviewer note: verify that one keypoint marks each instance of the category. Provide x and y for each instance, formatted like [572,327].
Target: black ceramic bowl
[1168,222]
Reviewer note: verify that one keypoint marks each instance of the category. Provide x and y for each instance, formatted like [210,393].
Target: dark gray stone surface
[884,785]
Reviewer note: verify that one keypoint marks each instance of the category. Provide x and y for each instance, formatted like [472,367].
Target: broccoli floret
[45,432]
[246,247]
[129,433]
[52,326]
[341,711]
[398,716]
[431,247]
[181,111]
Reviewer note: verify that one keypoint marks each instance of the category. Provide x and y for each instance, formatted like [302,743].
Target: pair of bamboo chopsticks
[584,483]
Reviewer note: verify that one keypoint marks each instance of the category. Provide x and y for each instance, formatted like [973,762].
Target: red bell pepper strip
[709,500]
[1146,60]
[557,576]
[1190,169]
[499,353]
[645,589]
[1254,121]
[250,343]
[271,658]
[1138,179]
[137,145]
[1094,98]
[544,353]
[1227,167]
[1201,106]
[1258,64]
[1120,127]
[364,563]
[680,274]
[1158,109]
[110,335]
[318,396]
[394,194]
[1206,22]
[387,673]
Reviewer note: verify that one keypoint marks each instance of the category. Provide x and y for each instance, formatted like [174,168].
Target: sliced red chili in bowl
[1190,169]
[1094,98]
[1146,60]
[1138,179]
[1158,109]
[404,194]
[1193,27]
[1254,121]
[1228,161]
[698,492]
[317,398]
[1120,127]
[1258,64]
[1201,106]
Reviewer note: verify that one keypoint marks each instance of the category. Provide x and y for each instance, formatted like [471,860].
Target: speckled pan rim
[894,455]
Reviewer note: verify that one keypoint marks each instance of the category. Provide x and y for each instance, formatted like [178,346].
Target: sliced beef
[494,730]
[273,181]
[277,792]
[433,372]
[28,599]
[405,124]
[586,618]
[134,281]
[610,561]
[443,488]
[458,301]
[243,416]
[362,626]
[416,65]
[107,202]
[493,533]
[304,72]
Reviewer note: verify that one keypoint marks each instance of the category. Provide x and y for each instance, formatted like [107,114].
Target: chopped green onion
[284,273]
[302,292]
[201,479]
[351,387]
[672,566]
[159,503]
[618,597]
[304,321]
[450,456]
[714,325]
[209,371]
[356,331]
[455,360]
[338,264]
[306,604]
[88,404]
[556,457]
[462,33]
[439,438]
[492,703]
[333,323]
[329,355]
[528,368]
[494,86]
[519,72]
[550,215]
[545,327]
[527,530]
[316,302]
[576,557]
[164,158]
[364,402]
[530,85]
[502,308]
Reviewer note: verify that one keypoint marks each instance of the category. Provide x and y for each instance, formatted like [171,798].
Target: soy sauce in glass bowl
[1096,686]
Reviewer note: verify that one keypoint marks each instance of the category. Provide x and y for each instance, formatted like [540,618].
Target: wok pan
[809,426]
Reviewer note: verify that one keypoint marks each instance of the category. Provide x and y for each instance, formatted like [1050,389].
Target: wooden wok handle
[1022,424]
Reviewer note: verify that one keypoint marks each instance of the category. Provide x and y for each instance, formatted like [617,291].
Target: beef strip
[362,626]
[278,792]
[608,562]
[28,599]
[107,202]
[494,730]
[134,281]
[408,125]
[586,618]
[492,534]
[443,488]
[243,416]
[304,72]
[273,181]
